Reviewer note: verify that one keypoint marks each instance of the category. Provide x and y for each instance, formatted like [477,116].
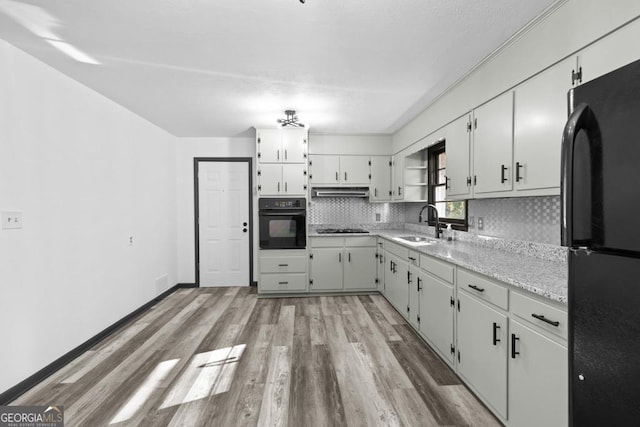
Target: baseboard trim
[19,389]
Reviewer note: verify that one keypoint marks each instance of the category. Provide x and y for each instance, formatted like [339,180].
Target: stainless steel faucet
[437,218]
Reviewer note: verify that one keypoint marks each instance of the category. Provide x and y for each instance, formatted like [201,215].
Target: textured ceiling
[213,68]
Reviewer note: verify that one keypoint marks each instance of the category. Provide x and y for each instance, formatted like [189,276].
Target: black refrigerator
[601,228]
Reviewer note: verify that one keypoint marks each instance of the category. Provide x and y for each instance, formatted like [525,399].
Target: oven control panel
[288,203]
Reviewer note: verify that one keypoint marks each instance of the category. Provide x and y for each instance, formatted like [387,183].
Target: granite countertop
[547,278]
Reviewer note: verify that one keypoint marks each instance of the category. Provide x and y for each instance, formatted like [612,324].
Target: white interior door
[223,194]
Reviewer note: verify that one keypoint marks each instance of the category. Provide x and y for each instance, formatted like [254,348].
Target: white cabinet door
[360,268]
[493,145]
[415,291]
[398,177]
[436,314]
[381,268]
[294,146]
[270,179]
[325,169]
[457,146]
[354,170]
[482,360]
[538,386]
[397,289]
[614,51]
[540,115]
[380,179]
[294,179]
[269,146]
[326,269]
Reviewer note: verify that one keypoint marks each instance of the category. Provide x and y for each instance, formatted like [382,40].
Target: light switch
[11,220]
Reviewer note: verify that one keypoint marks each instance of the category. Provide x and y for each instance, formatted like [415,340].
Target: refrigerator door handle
[582,118]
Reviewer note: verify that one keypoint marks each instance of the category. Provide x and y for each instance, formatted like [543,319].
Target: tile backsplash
[534,219]
[347,211]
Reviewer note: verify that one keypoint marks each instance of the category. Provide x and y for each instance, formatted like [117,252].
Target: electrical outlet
[130,240]
[471,222]
[480,223]
[11,220]
[377,217]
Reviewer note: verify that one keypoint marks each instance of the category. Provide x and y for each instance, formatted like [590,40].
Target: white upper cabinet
[354,170]
[324,169]
[540,115]
[457,145]
[282,145]
[339,170]
[493,145]
[397,191]
[380,179]
[294,145]
[282,180]
[614,51]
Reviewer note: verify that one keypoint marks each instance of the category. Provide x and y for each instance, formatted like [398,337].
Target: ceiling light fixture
[291,119]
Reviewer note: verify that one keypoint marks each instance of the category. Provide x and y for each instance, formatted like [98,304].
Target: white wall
[575,24]
[349,144]
[87,174]
[187,149]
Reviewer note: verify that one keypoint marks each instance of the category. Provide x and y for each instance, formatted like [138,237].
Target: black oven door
[283,229]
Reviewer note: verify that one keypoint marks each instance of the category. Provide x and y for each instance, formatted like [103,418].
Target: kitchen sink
[418,239]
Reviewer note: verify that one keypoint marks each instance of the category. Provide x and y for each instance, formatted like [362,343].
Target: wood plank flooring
[223,357]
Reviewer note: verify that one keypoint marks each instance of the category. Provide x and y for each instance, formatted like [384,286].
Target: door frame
[196,163]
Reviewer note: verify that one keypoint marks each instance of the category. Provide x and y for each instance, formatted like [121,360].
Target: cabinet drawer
[414,258]
[440,269]
[483,288]
[327,242]
[399,251]
[283,264]
[360,241]
[283,282]
[526,307]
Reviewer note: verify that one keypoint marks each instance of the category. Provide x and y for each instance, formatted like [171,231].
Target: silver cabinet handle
[285,187]
[283,265]
[349,256]
[278,154]
[375,192]
[345,176]
[337,178]
[285,154]
[340,257]
[278,187]
[283,283]
[399,191]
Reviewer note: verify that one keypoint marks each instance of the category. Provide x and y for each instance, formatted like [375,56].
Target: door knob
[244,230]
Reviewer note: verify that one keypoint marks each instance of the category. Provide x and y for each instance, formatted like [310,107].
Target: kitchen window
[454,213]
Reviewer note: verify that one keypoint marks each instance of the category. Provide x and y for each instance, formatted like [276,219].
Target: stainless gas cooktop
[340,230]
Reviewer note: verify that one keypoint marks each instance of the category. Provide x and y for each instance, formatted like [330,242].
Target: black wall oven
[283,223]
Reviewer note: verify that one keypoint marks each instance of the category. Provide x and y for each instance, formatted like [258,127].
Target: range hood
[340,192]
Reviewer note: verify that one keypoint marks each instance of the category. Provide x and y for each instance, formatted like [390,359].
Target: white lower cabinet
[348,264]
[326,269]
[538,390]
[282,271]
[437,314]
[360,270]
[396,289]
[482,350]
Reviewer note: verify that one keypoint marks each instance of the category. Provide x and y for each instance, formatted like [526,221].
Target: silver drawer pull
[475,288]
[283,265]
[544,319]
[283,283]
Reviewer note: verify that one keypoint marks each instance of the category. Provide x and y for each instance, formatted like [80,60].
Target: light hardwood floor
[223,357]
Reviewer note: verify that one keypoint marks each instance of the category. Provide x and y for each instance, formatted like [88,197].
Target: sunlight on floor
[208,374]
